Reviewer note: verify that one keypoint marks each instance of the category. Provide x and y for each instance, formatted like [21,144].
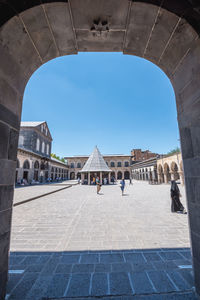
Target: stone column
[165,178]
[89,181]
[109,177]
[82,178]
[100,177]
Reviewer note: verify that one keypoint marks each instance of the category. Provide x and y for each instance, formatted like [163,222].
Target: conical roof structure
[95,163]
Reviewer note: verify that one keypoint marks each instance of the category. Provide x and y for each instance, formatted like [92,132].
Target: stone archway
[126,175]
[167,175]
[119,175]
[72,176]
[167,35]
[175,171]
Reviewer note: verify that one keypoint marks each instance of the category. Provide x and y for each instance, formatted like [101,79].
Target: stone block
[134,257]
[103,268]
[89,258]
[13,143]
[5,224]
[79,285]
[38,28]
[39,288]
[3,281]
[170,255]
[7,177]
[142,267]
[63,268]
[152,256]
[122,267]
[69,259]
[83,268]
[99,284]
[22,289]
[14,38]
[61,26]
[161,282]
[58,285]
[178,280]
[111,258]
[120,284]
[4,140]
[11,71]
[10,98]
[6,196]
[141,283]
[4,251]
[186,143]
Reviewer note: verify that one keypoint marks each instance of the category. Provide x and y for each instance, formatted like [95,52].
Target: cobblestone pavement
[22,193]
[76,243]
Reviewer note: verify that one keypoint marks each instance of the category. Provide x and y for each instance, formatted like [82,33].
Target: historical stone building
[170,168]
[34,162]
[119,164]
[138,154]
[162,169]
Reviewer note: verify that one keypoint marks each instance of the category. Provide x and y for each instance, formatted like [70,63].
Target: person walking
[130,181]
[98,185]
[122,186]
[176,205]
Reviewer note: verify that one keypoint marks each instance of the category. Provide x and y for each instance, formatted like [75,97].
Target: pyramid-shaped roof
[96,163]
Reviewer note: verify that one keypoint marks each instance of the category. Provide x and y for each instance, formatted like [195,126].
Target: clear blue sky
[117,102]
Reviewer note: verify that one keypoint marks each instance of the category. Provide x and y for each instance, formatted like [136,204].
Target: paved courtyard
[75,243]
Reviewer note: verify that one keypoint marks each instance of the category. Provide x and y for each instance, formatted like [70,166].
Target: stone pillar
[109,177]
[82,178]
[89,181]
[100,177]
[165,178]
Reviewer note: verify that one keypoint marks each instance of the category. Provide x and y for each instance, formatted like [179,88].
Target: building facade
[162,169]
[139,155]
[34,161]
[119,164]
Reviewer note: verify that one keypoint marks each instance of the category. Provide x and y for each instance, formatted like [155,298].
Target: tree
[58,157]
[174,151]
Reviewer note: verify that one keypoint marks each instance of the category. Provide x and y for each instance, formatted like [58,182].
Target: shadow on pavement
[162,273]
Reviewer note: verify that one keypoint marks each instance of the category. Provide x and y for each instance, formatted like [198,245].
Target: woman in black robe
[176,205]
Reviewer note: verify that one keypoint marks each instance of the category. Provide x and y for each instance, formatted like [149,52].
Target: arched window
[26,165]
[36,165]
[78,165]
[47,150]
[38,145]
[112,164]
[52,169]
[43,146]
[126,164]
[21,140]
[72,165]
[119,164]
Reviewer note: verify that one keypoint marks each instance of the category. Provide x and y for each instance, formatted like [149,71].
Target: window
[26,165]
[47,150]
[72,165]
[78,165]
[112,164]
[119,164]
[36,165]
[126,164]
[43,146]
[38,145]
[21,140]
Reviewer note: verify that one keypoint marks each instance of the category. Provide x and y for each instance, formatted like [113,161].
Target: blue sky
[115,101]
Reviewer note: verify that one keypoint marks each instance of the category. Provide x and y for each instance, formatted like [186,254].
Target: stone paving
[22,193]
[76,243]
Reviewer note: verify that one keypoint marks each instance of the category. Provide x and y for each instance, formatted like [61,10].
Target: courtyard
[75,243]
